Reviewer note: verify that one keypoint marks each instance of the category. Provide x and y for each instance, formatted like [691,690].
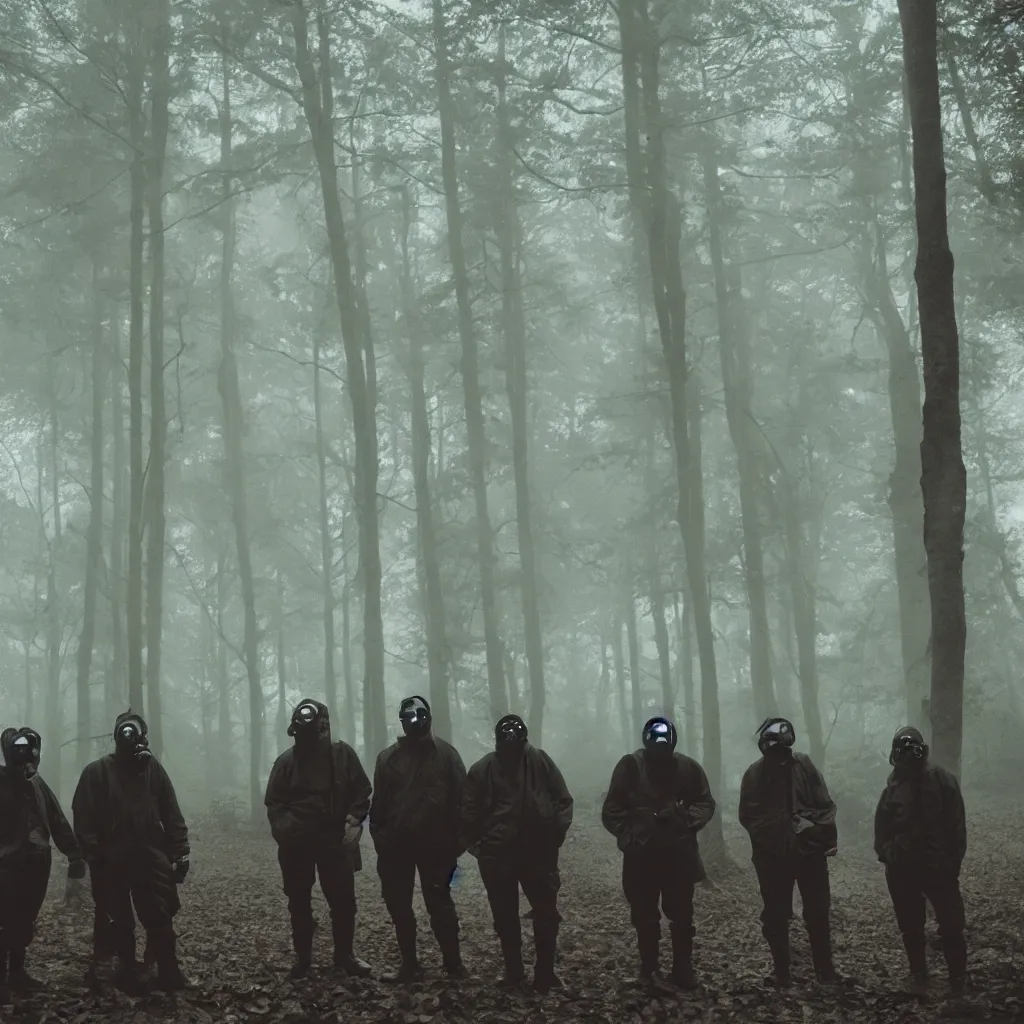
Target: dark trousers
[909,887]
[22,891]
[300,867]
[537,872]
[397,869]
[776,876]
[140,884]
[653,876]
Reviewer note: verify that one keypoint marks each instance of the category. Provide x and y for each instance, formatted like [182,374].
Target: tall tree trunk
[943,476]
[684,624]
[136,328]
[635,672]
[160,100]
[434,616]
[234,429]
[618,661]
[326,545]
[318,106]
[225,727]
[737,381]
[469,367]
[116,690]
[94,540]
[54,704]
[282,667]
[516,385]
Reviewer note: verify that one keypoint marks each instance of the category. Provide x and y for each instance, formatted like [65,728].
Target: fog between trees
[555,358]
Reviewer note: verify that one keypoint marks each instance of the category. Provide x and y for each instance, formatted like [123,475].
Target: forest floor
[234,944]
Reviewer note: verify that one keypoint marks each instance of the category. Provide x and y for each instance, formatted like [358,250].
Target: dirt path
[234,943]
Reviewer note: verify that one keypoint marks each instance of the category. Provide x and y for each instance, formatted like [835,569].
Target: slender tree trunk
[943,476]
[234,429]
[137,212]
[737,380]
[635,672]
[94,541]
[282,667]
[469,366]
[54,704]
[620,683]
[516,385]
[685,648]
[318,106]
[433,591]
[225,727]
[116,690]
[160,100]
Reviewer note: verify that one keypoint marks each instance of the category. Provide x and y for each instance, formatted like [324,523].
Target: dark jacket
[513,809]
[920,821]
[30,816]
[786,808]
[300,810]
[120,807]
[650,809]
[417,795]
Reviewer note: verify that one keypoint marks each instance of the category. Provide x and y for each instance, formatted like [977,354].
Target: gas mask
[23,752]
[310,722]
[659,740]
[510,737]
[775,737]
[909,749]
[414,715]
[131,739]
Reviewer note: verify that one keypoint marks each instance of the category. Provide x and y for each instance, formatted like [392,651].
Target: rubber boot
[303,946]
[149,972]
[409,970]
[451,959]
[954,949]
[782,976]
[820,940]
[916,982]
[545,941]
[18,979]
[682,959]
[512,952]
[345,960]
[169,976]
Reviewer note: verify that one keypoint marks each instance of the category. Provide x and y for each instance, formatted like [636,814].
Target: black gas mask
[310,723]
[22,752]
[414,714]
[909,749]
[131,739]
[659,739]
[510,737]
[775,737]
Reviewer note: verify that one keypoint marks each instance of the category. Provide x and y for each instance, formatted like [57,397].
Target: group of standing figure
[511,811]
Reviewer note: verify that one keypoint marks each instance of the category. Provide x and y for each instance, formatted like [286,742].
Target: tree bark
[433,591]
[737,381]
[54,704]
[635,672]
[225,726]
[469,367]
[94,539]
[943,476]
[618,661]
[159,120]
[318,106]
[116,691]
[282,667]
[234,429]
[684,623]
[136,469]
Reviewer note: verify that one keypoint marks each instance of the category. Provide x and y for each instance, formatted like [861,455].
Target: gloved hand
[832,852]
[180,868]
[353,833]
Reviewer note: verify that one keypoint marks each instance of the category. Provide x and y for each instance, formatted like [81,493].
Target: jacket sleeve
[60,831]
[615,815]
[85,812]
[561,798]
[821,806]
[379,808]
[883,834]
[276,800]
[955,818]
[472,807]
[750,808]
[358,785]
[700,804]
[171,817]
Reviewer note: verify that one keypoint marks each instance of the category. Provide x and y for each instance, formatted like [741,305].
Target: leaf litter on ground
[234,943]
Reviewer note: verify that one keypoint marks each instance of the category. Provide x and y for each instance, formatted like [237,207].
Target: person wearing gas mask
[135,840]
[416,825]
[317,798]
[30,815]
[921,838]
[791,820]
[657,802]
[516,812]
